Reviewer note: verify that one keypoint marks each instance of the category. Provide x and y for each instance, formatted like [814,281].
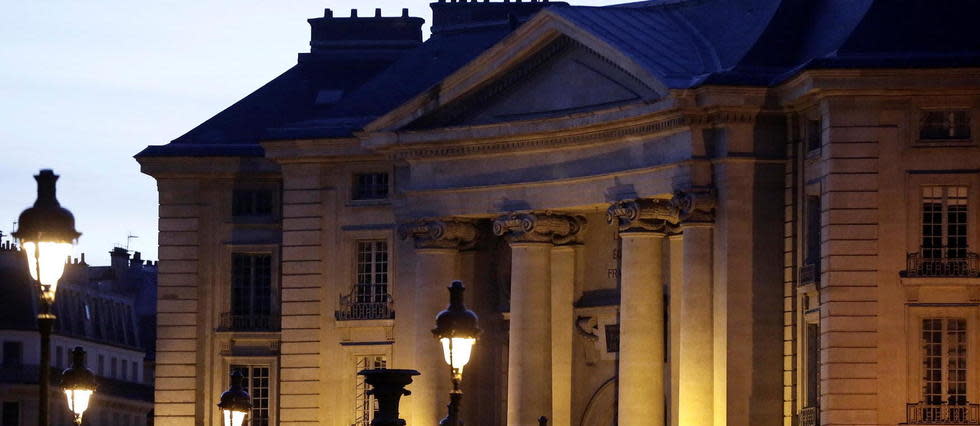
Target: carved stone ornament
[696,206]
[644,215]
[441,233]
[539,227]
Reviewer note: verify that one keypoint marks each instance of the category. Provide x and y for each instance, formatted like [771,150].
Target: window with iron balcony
[369,298]
[943,250]
[251,294]
[945,375]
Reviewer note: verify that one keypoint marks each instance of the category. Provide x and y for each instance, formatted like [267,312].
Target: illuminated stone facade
[696,224]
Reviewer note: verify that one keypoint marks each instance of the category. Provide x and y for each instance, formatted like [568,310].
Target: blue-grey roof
[683,43]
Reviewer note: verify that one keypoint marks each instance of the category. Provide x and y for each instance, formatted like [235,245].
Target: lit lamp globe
[235,403]
[79,385]
[46,233]
[457,330]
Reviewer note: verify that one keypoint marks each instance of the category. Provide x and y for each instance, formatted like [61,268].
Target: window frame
[348,242]
[224,296]
[915,368]
[274,188]
[224,381]
[916,116]
[915,182]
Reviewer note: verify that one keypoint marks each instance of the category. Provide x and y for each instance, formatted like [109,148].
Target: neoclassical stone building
[684,212]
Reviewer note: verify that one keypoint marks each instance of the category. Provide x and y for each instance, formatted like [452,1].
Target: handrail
[920,265]
[943,414]
[249,322]
[353,310]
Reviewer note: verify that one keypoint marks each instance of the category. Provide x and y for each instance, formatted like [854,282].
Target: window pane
[370,186]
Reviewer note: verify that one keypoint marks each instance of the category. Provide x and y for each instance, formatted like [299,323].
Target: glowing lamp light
[457,351]
[46,232]
[456,328]
[235,403]
[79,385]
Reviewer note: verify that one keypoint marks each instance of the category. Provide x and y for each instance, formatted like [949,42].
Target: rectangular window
[13,354]
[101,368]
[612,338]
[365,404]
[136,376]
[125,369]
[251,285]
[944,222]
[372,272]
[814,135]
[812,365]
[11,413]
[113,371]
[370,186]
[251,202]
[257,384]
[945,125]
[944,360]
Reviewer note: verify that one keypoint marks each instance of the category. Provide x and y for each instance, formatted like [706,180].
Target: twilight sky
[86,85]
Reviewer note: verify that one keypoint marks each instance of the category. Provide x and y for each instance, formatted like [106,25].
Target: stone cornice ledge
[658,124]
[208,167]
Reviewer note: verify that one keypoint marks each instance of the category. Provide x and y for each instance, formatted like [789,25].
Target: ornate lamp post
[457,330]
[235,404]
[79,384]
[46,233]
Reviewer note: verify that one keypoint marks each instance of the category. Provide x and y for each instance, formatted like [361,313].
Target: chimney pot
[404,12]
[377,12]
[353,13]
[327,13]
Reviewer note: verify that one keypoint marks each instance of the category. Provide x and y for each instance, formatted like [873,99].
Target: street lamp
[457,330]
[235,403]
[46,233]
[79,384]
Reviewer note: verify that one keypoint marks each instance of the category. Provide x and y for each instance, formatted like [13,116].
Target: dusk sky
[86,85]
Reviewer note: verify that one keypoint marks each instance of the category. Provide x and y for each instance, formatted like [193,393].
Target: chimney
[137,260]
[449,15]
[120,261]
[331,33]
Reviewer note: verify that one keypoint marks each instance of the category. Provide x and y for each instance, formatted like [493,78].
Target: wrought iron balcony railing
[249,322]
[943,414]
[809,274]
[810,416]
[942,263]
[353,310]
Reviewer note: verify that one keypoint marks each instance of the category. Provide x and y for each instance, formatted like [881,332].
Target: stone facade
[639,253]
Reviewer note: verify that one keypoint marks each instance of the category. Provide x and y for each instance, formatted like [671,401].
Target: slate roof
[684,43]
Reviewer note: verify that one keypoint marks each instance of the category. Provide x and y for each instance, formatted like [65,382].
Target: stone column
[438,243]
[532,237]
[696,354]
[562,331]
[643,225]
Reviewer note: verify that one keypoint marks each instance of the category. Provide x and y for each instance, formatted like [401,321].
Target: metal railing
[966,265]
[943,414]
[353,310]
[810,416]
[809,274]
[249,322]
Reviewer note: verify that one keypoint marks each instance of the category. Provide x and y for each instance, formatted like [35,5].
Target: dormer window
[370,187]
[251,202]
[945,125]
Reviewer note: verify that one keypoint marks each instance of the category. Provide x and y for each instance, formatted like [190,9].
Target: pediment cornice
[461,142]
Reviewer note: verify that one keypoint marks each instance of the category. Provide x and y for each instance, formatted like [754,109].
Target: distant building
[107,310]
[683,212]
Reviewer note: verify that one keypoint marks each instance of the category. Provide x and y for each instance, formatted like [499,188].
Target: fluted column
[643,225]
[696,358]
[438,243]
[532,237]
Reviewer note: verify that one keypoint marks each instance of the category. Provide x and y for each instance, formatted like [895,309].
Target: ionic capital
[644,215]
[696,205]
[539,227]
[456,234]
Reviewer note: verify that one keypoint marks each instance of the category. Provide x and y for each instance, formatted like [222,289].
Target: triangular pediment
[562,78]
